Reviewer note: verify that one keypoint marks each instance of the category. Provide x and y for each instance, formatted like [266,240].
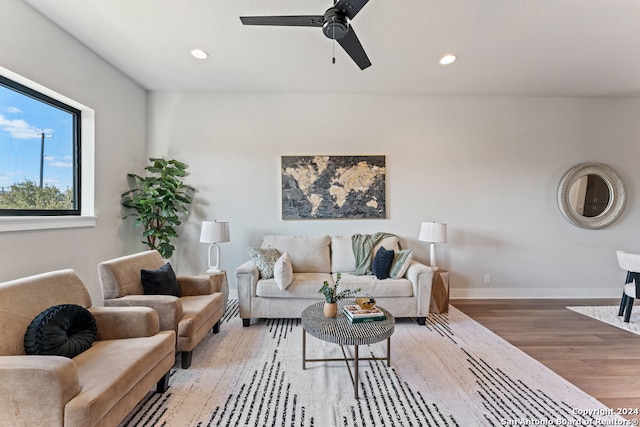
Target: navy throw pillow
[382,263]
[62,330]
[162,281]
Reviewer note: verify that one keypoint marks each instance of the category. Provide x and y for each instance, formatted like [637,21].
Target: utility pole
[42,136]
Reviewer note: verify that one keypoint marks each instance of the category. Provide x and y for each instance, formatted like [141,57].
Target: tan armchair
[199,308]
[97,387]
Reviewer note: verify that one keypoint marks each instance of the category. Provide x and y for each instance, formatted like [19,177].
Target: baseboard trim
[531,293]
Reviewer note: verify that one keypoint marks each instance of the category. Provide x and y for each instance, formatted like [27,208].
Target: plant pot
[330,309]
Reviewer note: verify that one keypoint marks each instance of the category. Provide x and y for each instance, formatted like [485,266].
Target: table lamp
[214,232]
[433,232]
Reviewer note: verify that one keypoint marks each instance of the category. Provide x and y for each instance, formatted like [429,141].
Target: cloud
[12,110]
[20,129]
[60,164]
[56,162]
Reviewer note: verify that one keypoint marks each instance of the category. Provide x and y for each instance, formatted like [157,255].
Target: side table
[440,292]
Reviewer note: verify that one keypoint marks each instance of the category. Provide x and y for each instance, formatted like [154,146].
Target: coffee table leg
[356,381]
[389,352]
[304,349]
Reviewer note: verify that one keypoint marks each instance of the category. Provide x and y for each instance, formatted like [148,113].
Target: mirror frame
[616,191]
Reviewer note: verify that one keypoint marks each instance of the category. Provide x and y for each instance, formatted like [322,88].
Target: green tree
[28,195]
[158,202]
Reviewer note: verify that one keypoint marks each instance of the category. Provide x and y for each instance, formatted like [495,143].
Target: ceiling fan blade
[350,7]
[286,21]
[352,46]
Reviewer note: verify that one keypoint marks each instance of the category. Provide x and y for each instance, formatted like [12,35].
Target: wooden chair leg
[163,384]
[623,304]
[186,359]
[627,315]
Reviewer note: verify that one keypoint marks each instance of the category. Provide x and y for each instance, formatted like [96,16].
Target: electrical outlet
[487,279]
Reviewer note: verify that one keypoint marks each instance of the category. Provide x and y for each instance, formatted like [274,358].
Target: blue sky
[22,121]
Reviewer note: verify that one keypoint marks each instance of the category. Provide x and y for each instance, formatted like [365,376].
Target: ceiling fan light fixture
[199,54]
[447,59]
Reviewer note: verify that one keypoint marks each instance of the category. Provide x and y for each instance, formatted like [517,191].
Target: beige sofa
[198,310]
[316,259]
[98,387]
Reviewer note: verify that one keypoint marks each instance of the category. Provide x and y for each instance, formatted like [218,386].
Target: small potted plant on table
[332,296]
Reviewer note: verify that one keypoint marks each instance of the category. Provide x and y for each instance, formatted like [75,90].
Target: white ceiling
[504,47]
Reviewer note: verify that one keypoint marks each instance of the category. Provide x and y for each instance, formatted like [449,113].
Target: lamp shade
[433,232]
[215,232]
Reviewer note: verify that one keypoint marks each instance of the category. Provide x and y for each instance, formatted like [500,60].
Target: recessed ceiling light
[199,53]
[447,59]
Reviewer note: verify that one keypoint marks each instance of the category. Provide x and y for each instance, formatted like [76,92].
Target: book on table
[357,315]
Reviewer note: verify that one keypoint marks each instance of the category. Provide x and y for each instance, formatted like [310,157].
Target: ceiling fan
[335,25]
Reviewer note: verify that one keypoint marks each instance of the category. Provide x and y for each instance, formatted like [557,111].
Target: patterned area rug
[450,372]
[609,314]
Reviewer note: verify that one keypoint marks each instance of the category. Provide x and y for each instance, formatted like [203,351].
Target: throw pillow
[382,263]
[162,281]
[264,259]
[62,330]
[283,271]
[401,261]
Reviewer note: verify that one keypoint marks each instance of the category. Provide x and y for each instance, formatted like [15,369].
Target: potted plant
[332,296]
[158,201]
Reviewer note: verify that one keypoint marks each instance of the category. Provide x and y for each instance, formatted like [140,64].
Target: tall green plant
[158,201]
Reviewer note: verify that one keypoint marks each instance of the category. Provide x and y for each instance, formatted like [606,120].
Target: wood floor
[602,360]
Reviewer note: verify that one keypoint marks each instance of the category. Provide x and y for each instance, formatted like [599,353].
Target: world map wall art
[321,187]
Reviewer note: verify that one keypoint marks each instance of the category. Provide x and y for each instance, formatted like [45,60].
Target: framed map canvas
[333,187]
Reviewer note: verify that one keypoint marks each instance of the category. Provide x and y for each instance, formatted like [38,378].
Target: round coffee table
[341,331]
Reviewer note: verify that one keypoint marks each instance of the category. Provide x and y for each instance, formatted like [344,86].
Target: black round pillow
[62,330]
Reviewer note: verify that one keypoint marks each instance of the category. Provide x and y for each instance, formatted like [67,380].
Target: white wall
[38,50]
[487,166]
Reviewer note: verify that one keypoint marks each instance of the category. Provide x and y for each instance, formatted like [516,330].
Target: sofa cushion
[382,263]
[111,368]
[370,285]
[400,264]
[62,330]
[391,243]
[197,310]
[309,254]
[304,285]
[342,258]
[264,258]
[162,281]
[283,271]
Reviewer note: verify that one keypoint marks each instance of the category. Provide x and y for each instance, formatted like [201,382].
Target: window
[67,166]
[39,153]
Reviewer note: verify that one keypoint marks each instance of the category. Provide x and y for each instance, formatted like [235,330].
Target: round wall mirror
[591,195]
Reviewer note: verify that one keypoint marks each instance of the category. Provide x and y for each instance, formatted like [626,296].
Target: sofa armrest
[247,276]
[36,389]
[168,307]
[125,322]
[421,277]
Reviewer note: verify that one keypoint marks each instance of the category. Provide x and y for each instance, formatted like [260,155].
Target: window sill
[24,223]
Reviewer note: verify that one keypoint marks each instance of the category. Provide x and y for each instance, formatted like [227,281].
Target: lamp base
[432,260]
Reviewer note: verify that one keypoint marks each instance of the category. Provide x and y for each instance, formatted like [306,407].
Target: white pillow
[283,271]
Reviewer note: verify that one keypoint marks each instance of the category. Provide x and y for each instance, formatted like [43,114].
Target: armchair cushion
[62,330]
[162,281]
